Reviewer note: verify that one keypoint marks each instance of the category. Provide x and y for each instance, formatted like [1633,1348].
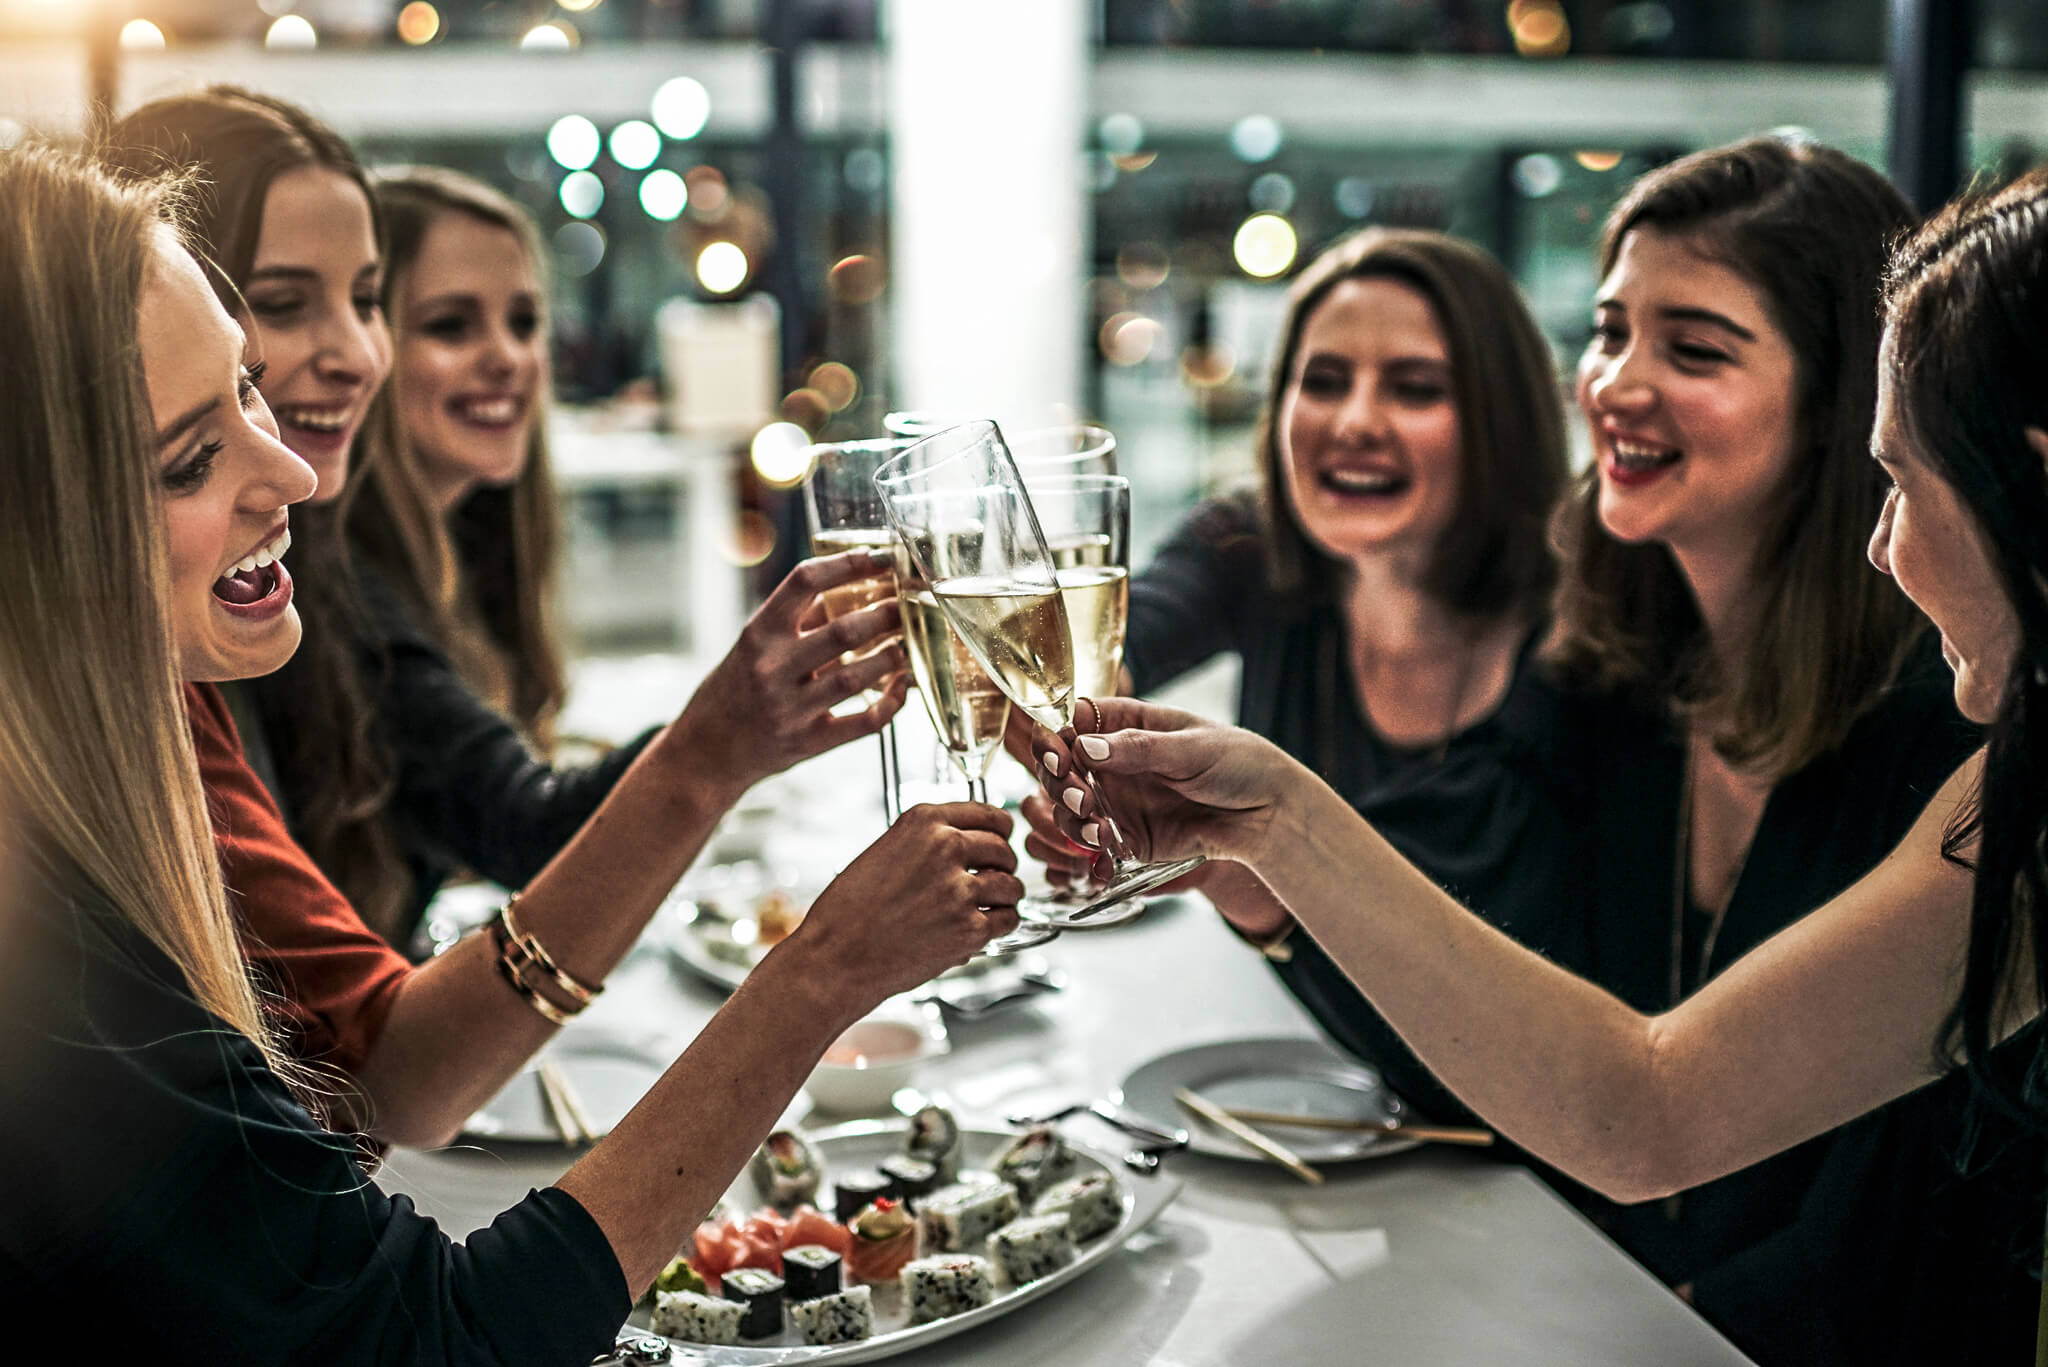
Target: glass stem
[892,769]
[977,790]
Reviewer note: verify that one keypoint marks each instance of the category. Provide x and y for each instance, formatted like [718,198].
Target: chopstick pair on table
[565,1107]
[1239,1124]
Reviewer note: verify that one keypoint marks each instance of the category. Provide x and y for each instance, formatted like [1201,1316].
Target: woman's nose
[1881,536]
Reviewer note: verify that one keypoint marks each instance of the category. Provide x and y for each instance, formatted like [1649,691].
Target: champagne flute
[967,709]
[845,513]
[960,506]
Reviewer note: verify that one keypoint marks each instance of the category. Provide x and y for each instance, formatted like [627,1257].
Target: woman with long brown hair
[154,1151]
[391,765]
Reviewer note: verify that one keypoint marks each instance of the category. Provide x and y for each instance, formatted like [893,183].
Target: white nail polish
[1072,797]
[1052,764]
[1091,834]
[1095,747]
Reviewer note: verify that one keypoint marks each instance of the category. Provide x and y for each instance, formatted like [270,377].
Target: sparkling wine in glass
[845,513]
[967,709]
[960,505]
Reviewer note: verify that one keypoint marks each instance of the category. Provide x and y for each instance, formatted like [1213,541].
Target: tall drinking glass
[845,513]
[959,504]
[1070,449]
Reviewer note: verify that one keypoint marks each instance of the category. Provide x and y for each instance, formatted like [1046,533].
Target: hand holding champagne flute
[960,506]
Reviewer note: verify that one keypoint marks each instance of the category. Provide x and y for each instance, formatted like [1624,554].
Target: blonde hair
[95,750]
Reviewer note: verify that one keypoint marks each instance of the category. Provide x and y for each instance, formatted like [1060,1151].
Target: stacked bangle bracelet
[520,954]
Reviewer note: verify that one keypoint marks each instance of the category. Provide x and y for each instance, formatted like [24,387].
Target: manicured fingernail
[1072,797]
[1052,763]
[1095,747]
[1091,834]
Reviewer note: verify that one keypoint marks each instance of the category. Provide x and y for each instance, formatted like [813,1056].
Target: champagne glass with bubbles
[960,506]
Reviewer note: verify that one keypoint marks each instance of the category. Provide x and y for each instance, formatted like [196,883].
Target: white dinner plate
[1295,1076]
[608,1078]
[862,1144]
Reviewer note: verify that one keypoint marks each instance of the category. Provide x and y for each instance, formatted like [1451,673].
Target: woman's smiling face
[225,477]
[1689,390]
[312,292]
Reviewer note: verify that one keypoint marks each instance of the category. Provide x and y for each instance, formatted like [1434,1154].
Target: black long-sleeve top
[471,794]
[164,1193]
[1488,816]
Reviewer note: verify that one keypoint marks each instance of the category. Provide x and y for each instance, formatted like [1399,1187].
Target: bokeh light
[1537,175]
[866,171]
[1353,196]
[710,196]
[807,408]
[550,37]
[139,35]
[681,108]
[1143,265]
[1256,137]
[1597,159]
[578,6]
[1539,28]
[635,145]
[1265,246]
[1272,193]
[664,195]
[419,22]
[1206,367]
[1127,339]
[753,538]
[722,267]
[579,247]
[857,279]
[573,142]
[291,33]
[837,382]
[1120,134]
[582,194]
[781,453]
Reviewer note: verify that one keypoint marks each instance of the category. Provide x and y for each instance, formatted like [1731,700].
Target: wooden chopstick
[1441,1134]
[1237,1129]
[563,1107]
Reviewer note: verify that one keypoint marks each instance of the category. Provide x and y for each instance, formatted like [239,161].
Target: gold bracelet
[548,1010]
[531,952]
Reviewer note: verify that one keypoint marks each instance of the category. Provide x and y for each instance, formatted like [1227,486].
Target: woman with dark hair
[1931,962]
[390,767]
[159,1150]
[1386,588]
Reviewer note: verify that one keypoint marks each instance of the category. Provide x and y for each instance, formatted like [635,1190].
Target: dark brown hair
[1493,559]
[1966,306]
[315,711]
[482,578]
[1809,227]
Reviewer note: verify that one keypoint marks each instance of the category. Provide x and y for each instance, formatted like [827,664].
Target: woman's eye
[1695,354]
[1608,336]
[1420,393]
[1324,383]
[183,479]
[524,325]
[448,328]
[251,383]
[276,307]
[366,306]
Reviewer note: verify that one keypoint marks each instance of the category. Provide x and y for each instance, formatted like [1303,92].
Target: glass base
[1095,910]
[1058,909]
[1027,935]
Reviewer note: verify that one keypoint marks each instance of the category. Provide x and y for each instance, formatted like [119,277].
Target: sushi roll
[787,1170]
[809,1271]
[950,1284]
[884,1239]
[696,1318]
[855,1191]
[935,1137]
[964,1215]
[759,1293]
[1034,1161]
[845,1317]
[910,1176]
[1025,1250]
[1093,1205]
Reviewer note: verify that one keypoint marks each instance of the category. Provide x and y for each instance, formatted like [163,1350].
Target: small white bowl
[877,1057]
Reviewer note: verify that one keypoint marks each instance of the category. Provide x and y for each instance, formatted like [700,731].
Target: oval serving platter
[862,1144]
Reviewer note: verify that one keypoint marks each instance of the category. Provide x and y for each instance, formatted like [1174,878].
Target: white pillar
[988,103]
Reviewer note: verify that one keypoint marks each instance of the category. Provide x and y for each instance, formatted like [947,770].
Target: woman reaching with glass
[1924,966]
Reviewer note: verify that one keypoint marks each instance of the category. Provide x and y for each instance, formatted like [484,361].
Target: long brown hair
[1493,560]
[1967,310]
[482,578]
[1809,227]
[315,711]
[95,750]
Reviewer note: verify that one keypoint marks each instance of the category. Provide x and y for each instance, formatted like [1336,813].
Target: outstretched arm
[1836,1015]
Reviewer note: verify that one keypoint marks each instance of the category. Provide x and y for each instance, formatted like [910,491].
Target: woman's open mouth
[1632,463]
[259,584]
[1365,484]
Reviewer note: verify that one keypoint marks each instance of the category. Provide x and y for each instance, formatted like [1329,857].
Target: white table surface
[1433,1256]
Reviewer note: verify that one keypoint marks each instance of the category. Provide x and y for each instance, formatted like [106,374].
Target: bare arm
[456,1031]
[1832,1017]
[902,913]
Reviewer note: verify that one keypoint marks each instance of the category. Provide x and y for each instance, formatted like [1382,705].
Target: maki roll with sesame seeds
[844,1317]
[962,1216]
[949,1284]
[696,1318]
[1092,1203]
[1035,1160]
[1036,1246]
